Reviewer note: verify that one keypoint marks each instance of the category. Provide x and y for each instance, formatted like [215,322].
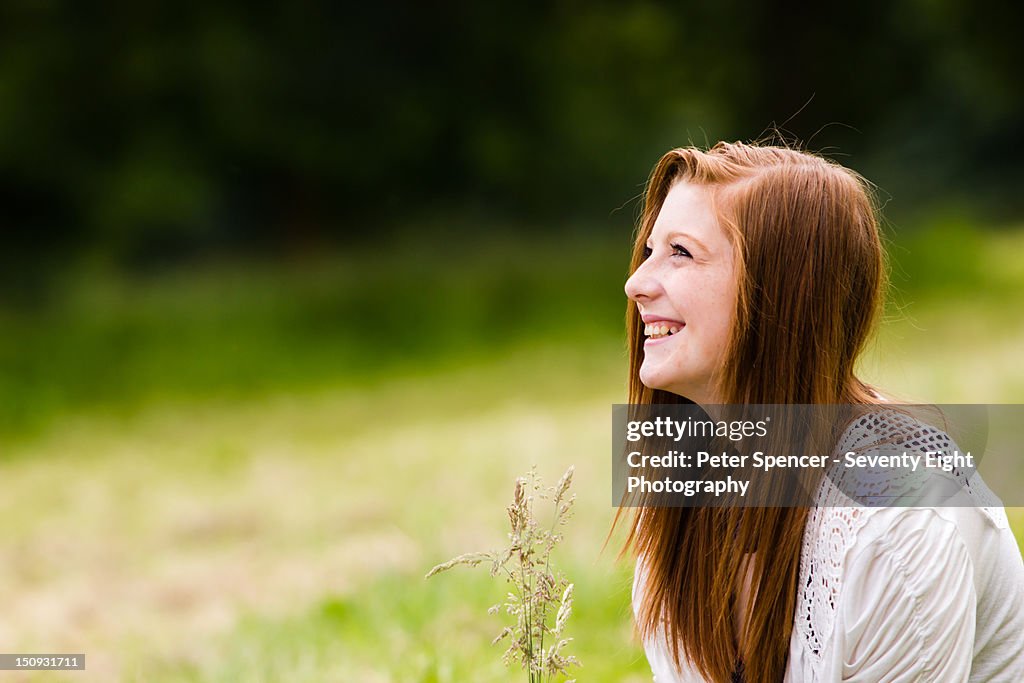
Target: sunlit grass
[189,518]
[110,342]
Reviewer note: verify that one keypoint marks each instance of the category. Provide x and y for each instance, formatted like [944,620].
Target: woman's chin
[654,380]
[658,381]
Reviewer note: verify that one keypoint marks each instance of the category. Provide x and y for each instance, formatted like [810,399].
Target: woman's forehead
[689,209]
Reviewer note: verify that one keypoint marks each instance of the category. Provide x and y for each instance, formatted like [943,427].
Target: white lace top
[898,593]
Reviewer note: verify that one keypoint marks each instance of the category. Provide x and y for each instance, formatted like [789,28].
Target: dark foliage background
[139,133]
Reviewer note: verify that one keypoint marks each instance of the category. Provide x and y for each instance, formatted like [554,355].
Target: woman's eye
[647,252]
[679,250]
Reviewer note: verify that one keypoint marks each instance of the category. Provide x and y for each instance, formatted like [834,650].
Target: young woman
[757,276]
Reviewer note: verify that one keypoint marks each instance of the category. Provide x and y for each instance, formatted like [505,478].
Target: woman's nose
[640,286]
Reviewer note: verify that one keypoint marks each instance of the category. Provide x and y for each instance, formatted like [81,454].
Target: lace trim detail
[830,533]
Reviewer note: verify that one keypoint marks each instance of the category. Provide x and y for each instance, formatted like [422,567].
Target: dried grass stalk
[541,600]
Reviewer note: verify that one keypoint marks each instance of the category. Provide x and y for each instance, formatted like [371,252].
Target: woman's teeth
[657,331]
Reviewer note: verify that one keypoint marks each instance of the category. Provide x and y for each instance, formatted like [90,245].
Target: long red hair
[811,282]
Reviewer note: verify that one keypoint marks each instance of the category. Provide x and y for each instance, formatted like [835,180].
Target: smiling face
[685,291]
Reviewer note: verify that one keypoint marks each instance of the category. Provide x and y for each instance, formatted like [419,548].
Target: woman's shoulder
[913,569]
[862,561]
[942,586]
[912,462]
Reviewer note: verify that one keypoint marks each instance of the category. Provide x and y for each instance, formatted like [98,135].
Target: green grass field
[244,473]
